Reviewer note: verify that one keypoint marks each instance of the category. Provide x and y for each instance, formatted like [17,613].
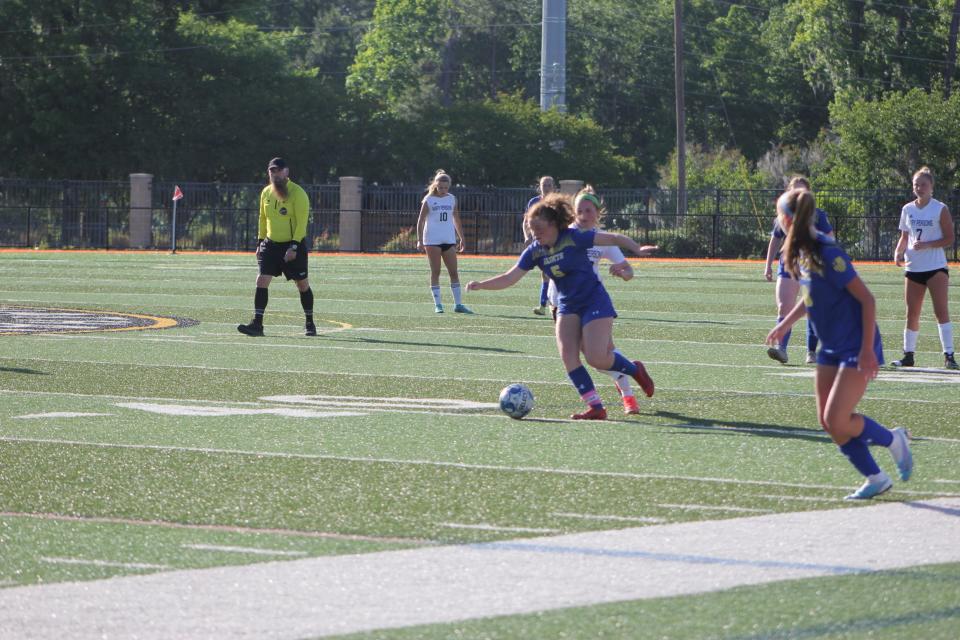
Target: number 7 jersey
[923,225]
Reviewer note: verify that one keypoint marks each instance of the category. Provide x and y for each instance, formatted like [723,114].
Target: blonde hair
[541,180]
[555,208]
[589,193]
[923,172]
[799,206]
[439,176]
[796,181]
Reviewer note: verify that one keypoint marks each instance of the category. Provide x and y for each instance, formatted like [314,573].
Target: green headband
[588,196]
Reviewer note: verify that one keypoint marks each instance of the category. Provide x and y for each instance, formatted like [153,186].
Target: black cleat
[949,362]
[310,329]
[253,329]
[905,361]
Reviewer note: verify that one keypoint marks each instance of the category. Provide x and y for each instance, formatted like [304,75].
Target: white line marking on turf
[373,402]
[456,465]
[251,550]
[886,376]
[214,527]
[331,595]
[611,518]
[799,498]
[104,563]
[708,507]
[493,527]
[200,411]
[61,414]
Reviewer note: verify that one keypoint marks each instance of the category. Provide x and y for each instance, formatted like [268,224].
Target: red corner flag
[177,194]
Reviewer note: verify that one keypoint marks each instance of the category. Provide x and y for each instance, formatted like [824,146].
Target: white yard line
[104,563]
[249,550]
[331,595]
[460,465]
[800,498]
[492,527]
[608,517]
[707,507]
[61,414]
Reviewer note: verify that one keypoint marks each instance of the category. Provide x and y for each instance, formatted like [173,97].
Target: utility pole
[553,56]
[678,88]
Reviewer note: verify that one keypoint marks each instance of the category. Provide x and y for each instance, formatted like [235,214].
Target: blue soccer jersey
[822,224]
[834,312]
[568,265]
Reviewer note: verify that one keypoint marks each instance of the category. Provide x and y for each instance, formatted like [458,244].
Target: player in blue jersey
[585,312]
[788,287]
[545,186]
[843,313]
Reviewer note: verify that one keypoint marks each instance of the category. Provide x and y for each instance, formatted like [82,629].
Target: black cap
[279,163]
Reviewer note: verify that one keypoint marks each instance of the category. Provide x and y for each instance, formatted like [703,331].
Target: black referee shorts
[270,260]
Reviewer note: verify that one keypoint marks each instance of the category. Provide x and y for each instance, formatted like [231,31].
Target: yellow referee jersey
[283,220]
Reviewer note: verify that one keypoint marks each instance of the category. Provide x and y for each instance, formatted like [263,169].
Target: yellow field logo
[15,320]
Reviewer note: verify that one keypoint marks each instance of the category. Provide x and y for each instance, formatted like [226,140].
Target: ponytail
[798,206]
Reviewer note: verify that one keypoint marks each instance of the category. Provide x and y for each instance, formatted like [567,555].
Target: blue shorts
[599,306]
[782,271]
[847,358]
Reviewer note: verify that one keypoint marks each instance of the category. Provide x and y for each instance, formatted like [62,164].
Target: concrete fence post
[141,210]
[351,202]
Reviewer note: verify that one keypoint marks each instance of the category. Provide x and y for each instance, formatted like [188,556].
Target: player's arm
[900,249]
[262,221]
[867,361]
[622,270]
[776,334]
[605,238]
[303,216]
[502,281]
[421,221]
[461,245]
[773,248]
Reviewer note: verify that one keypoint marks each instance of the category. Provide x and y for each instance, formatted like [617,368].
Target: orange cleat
[643,378]
[630,406]
[592,413]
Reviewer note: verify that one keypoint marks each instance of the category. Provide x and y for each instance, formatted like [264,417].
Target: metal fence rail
[718,223]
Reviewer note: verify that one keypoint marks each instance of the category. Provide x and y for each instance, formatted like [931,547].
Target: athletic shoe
[592,413]
[870,489]
[778,354]
[541,310]
[438,308]
[461,308]
[630,406]
[310,329]
[254,329]
[643,379]
[900,450]
[905,361]
[949,362]
[811,357]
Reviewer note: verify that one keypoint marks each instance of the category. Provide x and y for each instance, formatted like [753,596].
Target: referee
[284,213]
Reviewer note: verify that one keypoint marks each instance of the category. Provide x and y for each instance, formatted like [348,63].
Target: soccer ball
[516,400]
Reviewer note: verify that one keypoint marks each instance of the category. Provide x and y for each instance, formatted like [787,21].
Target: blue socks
[859,456]
[623,365]
[544,286]
[812,339]
[786,336]
[875,433]
[584,383]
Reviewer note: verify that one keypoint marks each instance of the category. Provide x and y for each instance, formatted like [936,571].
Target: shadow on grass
[950,511]
[32,372]
[423,344]
[741,426]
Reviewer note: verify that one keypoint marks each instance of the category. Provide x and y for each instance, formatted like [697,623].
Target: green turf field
[136,451]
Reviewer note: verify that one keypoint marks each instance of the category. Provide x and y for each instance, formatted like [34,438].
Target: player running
[843,313]
[589,210]
[585,312]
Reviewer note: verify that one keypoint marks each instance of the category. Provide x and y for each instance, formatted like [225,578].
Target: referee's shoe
[254,329]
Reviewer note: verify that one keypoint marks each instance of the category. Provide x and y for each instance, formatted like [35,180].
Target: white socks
[910,340]
[946,336]
[457,296]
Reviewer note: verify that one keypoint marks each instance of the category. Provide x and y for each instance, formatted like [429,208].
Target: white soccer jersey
[596,254]
[438,227]
[923,225]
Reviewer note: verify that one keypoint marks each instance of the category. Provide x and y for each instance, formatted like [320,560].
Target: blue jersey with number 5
[835,314]
[567,264]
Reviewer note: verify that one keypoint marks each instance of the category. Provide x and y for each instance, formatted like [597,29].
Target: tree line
[856,93]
